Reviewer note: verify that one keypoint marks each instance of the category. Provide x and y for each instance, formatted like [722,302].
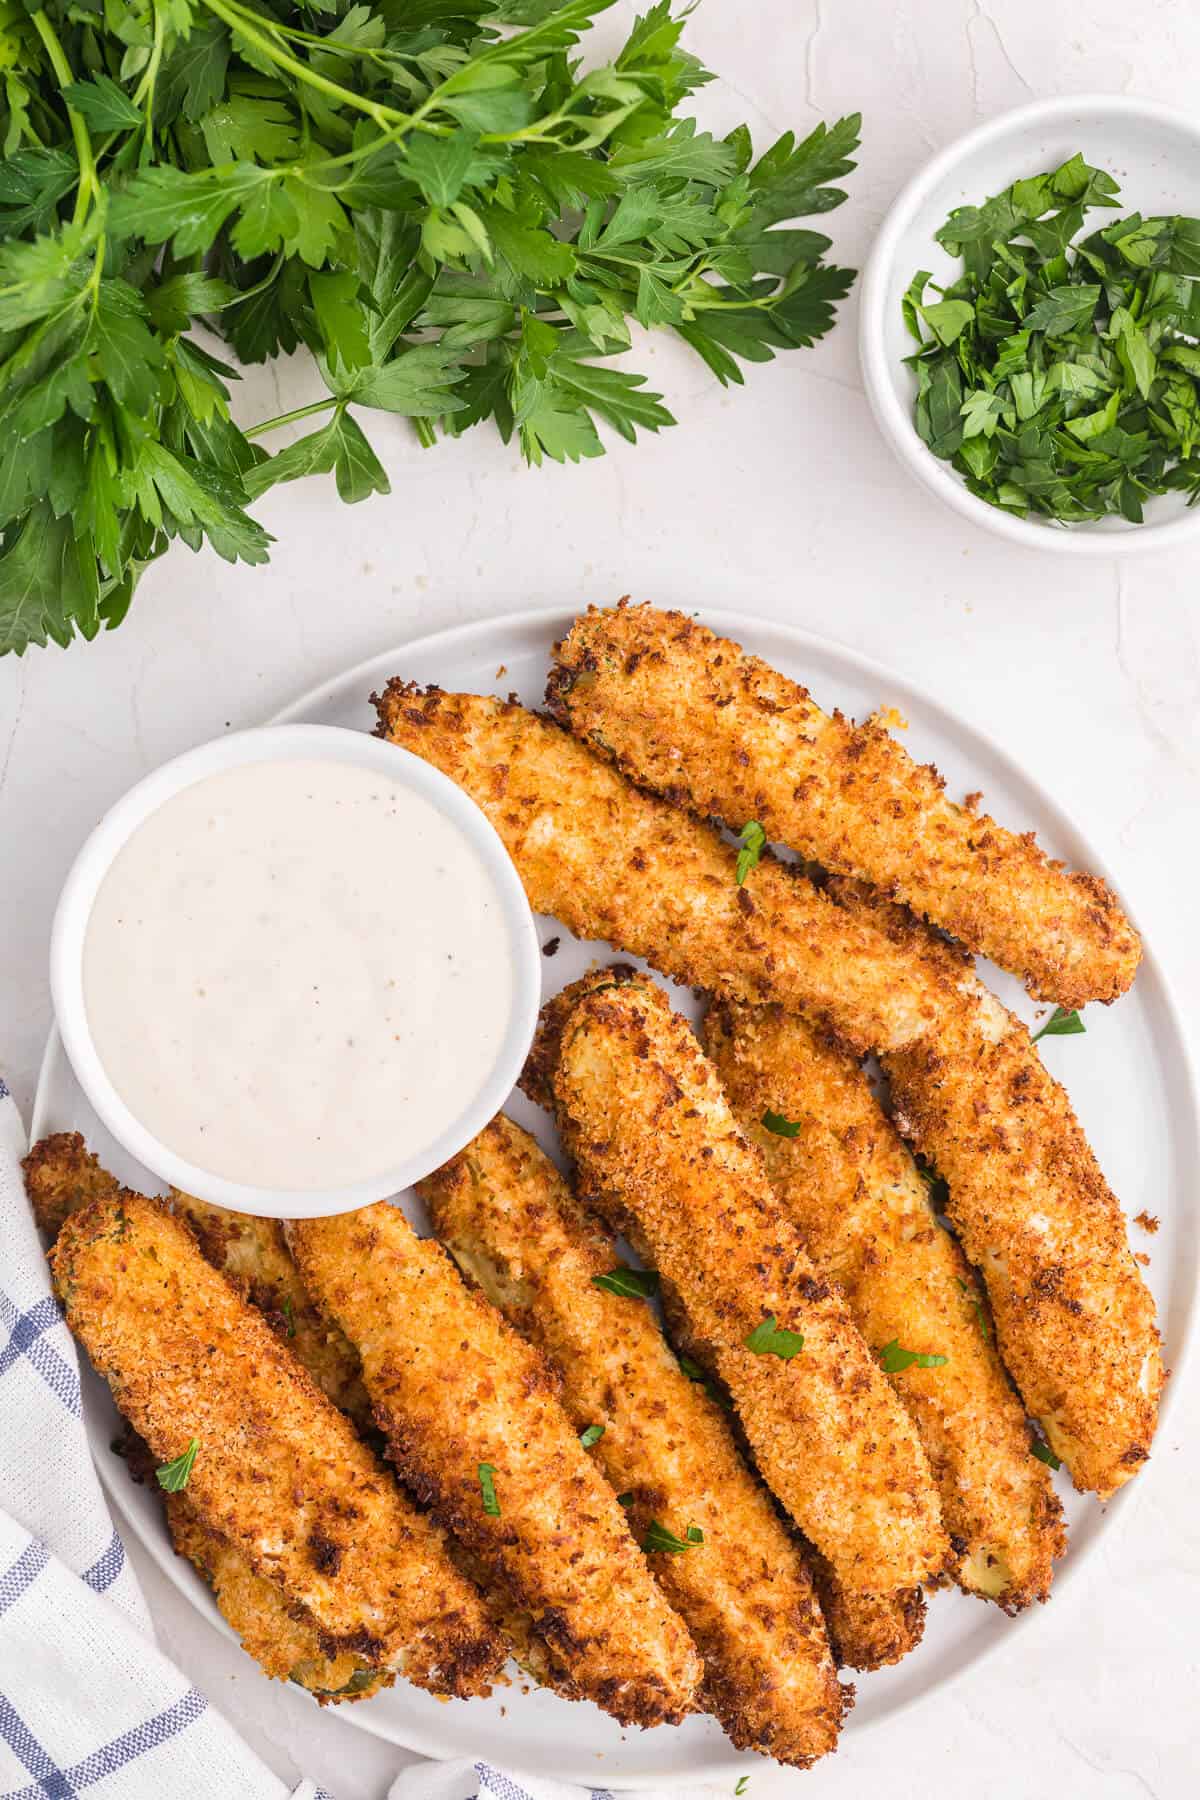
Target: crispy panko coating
[253,1253]
[656,1143]
[282,1640]
[62,1175]
[1074,1319]
[511,1222]
[612,862]
[457,1393]
[869,1631]
[280,1472]
[851,1187]
[692,716]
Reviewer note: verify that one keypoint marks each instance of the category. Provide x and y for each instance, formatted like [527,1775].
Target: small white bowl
[1154,154]
[287,742]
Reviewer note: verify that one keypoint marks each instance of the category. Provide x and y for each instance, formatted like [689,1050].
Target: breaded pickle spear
[1074,1319]
[656,1142]
[509,1219]
[61,1176]
[865,1630]
[694,717]
[615,863]
[282,1640]
[475,1427]
[843,1174]
[279,1473]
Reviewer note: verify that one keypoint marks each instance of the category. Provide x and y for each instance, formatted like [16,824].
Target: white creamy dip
[297,973]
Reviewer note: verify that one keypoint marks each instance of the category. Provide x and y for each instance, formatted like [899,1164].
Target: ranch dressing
[297,973]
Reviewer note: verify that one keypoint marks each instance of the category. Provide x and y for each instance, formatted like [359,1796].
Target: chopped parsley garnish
[1059,373]
[1045,1454]
[288,1310]
[624,1499]
[753,840]
[487,1486]
[631,1284]
[892,1359]
[1060,1024]
[780,1125]
[769,1338]
[742,1785]
[591,1435]
[659,1538]
[691,1369]
[972,1295]
[174,1476]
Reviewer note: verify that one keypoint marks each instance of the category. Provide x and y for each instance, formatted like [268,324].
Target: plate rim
[731,622]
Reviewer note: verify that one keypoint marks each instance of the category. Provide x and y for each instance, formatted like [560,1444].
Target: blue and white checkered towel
[88,1705]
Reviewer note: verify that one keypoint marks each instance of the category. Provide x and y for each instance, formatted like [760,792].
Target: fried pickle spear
[866,1631]
[279,1474]
[1074,1319]
[843,1174]
[691,715]
[656,1143]
[612,862]
[476,1429]
[509,1219]
[61,1176]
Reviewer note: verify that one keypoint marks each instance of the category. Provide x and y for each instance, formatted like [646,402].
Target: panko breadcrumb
[511,1222]
[279,1472]
[654,1139]
[469,1411]
[1074,1319]
[844,1175]
[692,716]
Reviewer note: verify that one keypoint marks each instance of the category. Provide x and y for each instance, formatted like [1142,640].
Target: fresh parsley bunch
[1062,378]
[431,195]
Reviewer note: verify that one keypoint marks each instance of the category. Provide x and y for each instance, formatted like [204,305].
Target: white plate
[1129,1079]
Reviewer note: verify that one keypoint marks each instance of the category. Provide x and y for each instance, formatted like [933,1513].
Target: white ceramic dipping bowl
[275,743]
[1154,154]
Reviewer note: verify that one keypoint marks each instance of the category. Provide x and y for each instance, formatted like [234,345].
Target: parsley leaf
[630,1284]
[288,1310]
[591,1435]
[487,1488]
[658,1537]
[1044,1453]
[443,203]
[781,1126]
[1060,1024]
[1057,373]
[624,1499]
[769,1338]
[174,1476]
[893,1359]
[753,840]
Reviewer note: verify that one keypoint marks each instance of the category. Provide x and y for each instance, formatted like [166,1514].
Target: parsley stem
[88,185]
[290,418]
[241,23]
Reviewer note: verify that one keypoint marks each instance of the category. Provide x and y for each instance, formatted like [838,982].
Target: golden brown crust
[509,1219]
[854,1192]
[454,1387]
[1074,1319]
[281,1638]
[280,1473]
[615,863]
[649,1123]
[62,1175]
[694,717]
[253,1254]
[869,1631]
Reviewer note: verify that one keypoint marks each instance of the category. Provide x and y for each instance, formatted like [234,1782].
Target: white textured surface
[778,498]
